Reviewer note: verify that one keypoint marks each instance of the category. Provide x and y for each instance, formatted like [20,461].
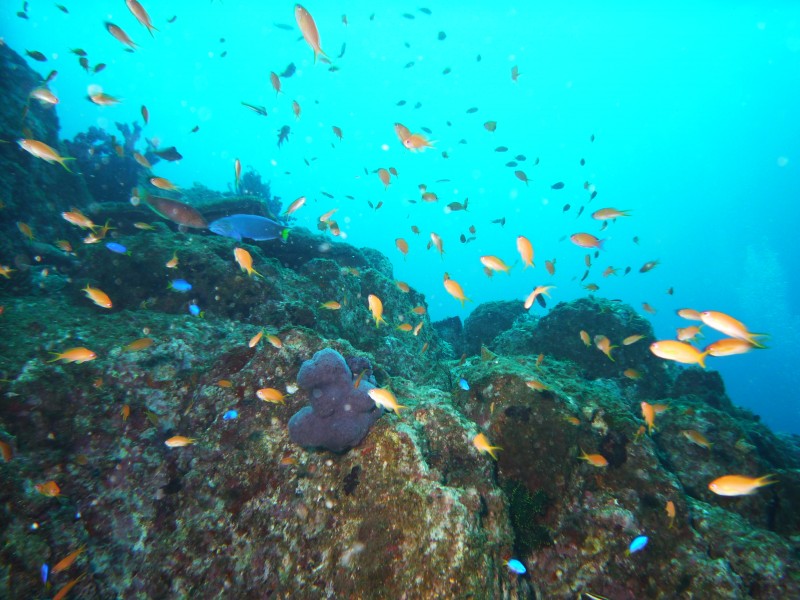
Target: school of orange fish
[738,340]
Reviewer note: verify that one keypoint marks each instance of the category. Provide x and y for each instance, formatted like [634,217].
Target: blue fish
[180,285]
[247,226]
[463,384]
[638,544]
[195,310]
[231,414]
[45,572]
[118,248]
[516,566]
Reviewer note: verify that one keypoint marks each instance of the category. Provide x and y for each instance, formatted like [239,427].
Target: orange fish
[649,415]
[402,245]
[437,241]
[596,460]
[417,141]
[649,266]
[376,308]
[275,341]
[78,218]
[586,240]
[140,344]
[729,347]
[537,386]
[550,265]
[66,562]
[98,296]
[225,383]
[454,289]
[696,438]
[172,263]
[739,485]
[296,109]
[309,30]
[631,339]
[179,441]
[62,593]
[237,171]
[337,131]
[43,151]
[515,73]
[102,99]
[49,489]
[679,352]
[730,327]
[418,327]
[255,339]
[688,334]
[585,338]
[610,213]
[271,395]
[120,36]
[384,398]
[690,314]
[632,374]
[276,82]
[405,327]
[525,249]
[163,184]
[26,230]
[495,264]
[648,308]
[7,451]
[331,305]
[295,205]
[145,114]
[403,286]
[141,15]
[125,412]
[245,261]
[74,355]
[44,96]
[670,508]
[540,289]
[142,160]
[419,310]
[604,345]
[402,132]
[385,177]
[481,442]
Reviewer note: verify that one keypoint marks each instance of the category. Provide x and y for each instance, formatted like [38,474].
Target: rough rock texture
[340,414]
[487,321]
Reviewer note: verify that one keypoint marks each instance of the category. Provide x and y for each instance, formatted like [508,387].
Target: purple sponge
[340,415]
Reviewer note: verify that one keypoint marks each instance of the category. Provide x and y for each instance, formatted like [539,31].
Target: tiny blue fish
[638,544]
[463,384]
[231,414]
[118,248]
[516,566]
[45,572]
[180,285]
[195,310]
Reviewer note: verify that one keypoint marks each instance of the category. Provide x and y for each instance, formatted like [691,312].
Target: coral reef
[340,414]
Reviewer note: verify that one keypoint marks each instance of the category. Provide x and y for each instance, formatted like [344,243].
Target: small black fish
[585,275]
[221,40]
[593,195]
[260,110]
[557,186]
[409,65]
[472,110]
[327,195]
[84,62]
[341,52]
[172,19]
[445,154]
[566,208]
[195,129]
[22,15]
[283,135]
[597,253]
[99,67]
[449,124]
[348,196]
[540,299]
[406,44]
[401,103]
[583,162]
[511,163]
[591,139]
[536,162]
[442,36]
[447,71]
[627,270]
[604,225]
[501,149]
[418,105]
[426,130]
[370,204]
[462,141]
[51,76]
[500,222]
[636,239]
[36,55]
[580,212]
[670,291]
[478,58]
[171,154]
[78,51]
[62,8]
[424,10]
[463,239]
[520,157]
[372,17]
[409,16]
[224,54]
[289,70]
[283,26]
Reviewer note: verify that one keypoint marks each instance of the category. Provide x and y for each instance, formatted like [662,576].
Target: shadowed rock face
[487,321]
[340,415]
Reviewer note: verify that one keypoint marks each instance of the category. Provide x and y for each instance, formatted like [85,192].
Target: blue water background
[693,105]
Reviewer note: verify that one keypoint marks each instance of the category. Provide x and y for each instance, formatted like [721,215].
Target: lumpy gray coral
[340,414]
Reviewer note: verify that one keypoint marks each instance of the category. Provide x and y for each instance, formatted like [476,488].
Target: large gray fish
[253,227]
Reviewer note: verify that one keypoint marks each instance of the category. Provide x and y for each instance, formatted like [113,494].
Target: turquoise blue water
[693,107]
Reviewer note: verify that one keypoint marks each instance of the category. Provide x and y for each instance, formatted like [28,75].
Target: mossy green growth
[524,510]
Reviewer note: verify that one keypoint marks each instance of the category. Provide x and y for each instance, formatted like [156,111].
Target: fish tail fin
[751,338]
[64,160]
[151,29]
[701,360]
[766,480]
[600,244]
[57,357]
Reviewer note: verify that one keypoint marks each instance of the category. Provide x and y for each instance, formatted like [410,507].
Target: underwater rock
[451,331]
[487,321]
[340,415]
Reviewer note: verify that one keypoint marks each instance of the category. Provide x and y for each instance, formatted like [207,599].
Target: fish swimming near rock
[252,227]
[175,211]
